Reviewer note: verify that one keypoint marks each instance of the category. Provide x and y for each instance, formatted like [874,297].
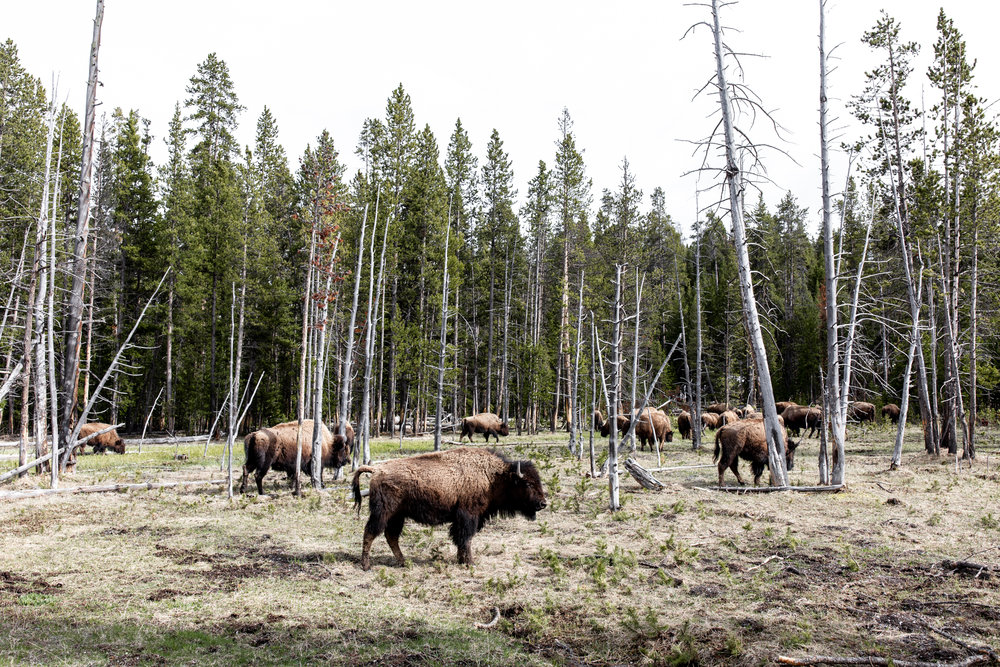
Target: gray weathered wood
[642,476]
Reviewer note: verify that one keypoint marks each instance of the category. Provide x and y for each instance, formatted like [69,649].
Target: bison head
[504,429]
[790,453]
[340,452]
[119,446]
[526,496]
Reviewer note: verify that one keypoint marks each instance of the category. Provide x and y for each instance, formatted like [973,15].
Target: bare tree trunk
[613,398]
[22,454]
[444,341]
[970,451]
[576,432]
[772,429]
[935,412]
[904,401]
[345,386]
[696,426]
[74,314]
[593,390]
[316,471]
[300,409]
[832,392]
[635,350]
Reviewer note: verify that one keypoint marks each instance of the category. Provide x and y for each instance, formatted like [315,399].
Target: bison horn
[519,469]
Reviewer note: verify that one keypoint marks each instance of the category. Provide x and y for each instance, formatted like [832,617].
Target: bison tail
[356,485]
[718,446]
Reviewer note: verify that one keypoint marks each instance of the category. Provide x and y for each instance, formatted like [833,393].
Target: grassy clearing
[677,577]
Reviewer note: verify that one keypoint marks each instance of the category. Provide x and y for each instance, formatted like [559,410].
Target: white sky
[620,67]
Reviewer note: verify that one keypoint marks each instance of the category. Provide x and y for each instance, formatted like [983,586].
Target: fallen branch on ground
[642,476]
[771,489]
[496,619]
[977,570]
[872,660]
[103,488]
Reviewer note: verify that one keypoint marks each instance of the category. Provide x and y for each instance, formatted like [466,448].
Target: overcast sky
[621,68]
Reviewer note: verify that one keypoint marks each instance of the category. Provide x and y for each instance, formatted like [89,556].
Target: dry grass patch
[678,577]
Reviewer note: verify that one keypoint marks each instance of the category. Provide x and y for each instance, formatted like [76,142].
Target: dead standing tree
[78,267]
[731,97]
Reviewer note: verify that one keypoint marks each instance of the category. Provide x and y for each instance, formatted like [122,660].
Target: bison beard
[464,486]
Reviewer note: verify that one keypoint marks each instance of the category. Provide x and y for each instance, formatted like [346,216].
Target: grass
[678,577]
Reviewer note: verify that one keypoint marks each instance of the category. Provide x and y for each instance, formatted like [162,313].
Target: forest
[193,302]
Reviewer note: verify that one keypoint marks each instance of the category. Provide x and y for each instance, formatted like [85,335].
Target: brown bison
[746,411]
[105,442]
[728,417]
[861,411]
[891,410]
[622,422]
[745,440]
[781,406]
[717,408]
[274,447]
[598,419]
[466,487]
[653,428]
[799,417]
[485,422]
[710,420]
[684,425]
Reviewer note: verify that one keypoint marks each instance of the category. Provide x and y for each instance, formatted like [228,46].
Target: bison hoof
[366,564]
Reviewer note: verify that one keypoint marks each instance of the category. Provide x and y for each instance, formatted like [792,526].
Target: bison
[622,422]
[798,417]
[717,408]
[891,410]
[486,423]
[684,424]
[745,440]
[781,406]
[104,442]
[861,411]
[274,447]
[465,486]
[710,420]
[728,417]
[653,428]
[746,411]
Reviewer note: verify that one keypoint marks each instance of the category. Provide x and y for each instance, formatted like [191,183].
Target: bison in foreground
[891,410]
[274,447]
[466,487]
[861,411]
[799,417]
[745,440]
[486,423]
[103,442]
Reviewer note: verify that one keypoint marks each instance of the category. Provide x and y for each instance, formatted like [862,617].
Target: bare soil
[683,576]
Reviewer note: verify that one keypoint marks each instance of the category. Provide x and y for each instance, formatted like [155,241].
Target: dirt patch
[13,586]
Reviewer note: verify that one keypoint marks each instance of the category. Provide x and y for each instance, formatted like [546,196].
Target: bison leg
[243,480]
[393,529]
[259,475]
[463,529]
[375,527]
[735,467]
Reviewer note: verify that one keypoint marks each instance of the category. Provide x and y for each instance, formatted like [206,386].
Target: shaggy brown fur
[598,419]
[274,447]
[623,423]
[728,417]
[710,420]
[104,442]
[799,417]
[746,411]
[781,406]
[485,422]
[717,408]
[745,440]
[653,428]
[466,487]
[891,410]
[684,425]
[861,411]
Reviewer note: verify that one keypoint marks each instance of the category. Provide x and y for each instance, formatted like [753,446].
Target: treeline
[231,226]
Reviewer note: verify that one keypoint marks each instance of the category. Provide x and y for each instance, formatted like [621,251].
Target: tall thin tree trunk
[345,386]
[444,342]
[74,314]
[613,398]
[316,471]
[576,432]
[772,429]
[635,352]
[970,450]
[300,407]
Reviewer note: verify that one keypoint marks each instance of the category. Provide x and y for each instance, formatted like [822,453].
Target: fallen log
[103,488]
[772,489]
[977,570]
[691,467]
[804,661]
[642,476]
[165,441]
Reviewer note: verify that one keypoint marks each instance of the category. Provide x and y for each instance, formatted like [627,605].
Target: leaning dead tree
[730,97]
[78,266]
